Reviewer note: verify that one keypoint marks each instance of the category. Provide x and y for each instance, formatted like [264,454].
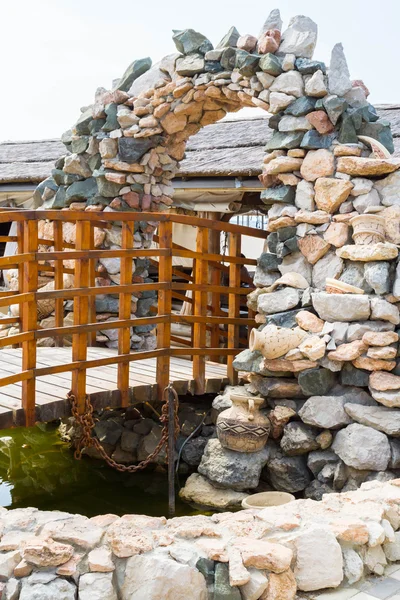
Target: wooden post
[92,283]
[28,312]
[81,314]
[164,306]
[215,280]
[200,310]
[234,303]
[58,279]
[125,300]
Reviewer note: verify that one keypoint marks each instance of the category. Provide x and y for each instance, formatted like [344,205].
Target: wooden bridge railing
[33,257]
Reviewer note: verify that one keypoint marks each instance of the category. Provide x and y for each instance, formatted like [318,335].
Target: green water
[38,469]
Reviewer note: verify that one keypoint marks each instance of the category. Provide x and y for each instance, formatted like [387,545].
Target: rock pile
[327,292]
[264,554]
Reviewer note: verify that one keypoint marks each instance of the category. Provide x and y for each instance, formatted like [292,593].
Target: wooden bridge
[34,381]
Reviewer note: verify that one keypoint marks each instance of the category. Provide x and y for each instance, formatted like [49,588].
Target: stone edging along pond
[267,554]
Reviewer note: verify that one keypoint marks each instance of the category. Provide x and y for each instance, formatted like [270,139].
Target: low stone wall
[251,555]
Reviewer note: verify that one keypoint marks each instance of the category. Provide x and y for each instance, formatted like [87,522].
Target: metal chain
[87,423]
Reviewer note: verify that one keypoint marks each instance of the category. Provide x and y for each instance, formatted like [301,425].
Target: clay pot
[274,342]
[265,499]
[368,229]
[243,427]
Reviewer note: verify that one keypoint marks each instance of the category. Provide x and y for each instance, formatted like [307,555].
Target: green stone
[96,125]
[313,140]
[284,141]
[59,164]
[334,107]
[81,190]
[369,113]
[80,144]
[62,178]
[111,120]
[285,233]
[348,133]
[223,590]
[66,137]
[230,39]
[188,41]
[82,125]
[287,247]
[316,382]
[380,130]
[135,70]
[319,105]
[272,241]
[308,67]
[268,262]
[244,362]
[228,58]
[283,193]
[47,183]
[131,150]
[274,121]
[356,117]
[98,200]
[213,66]
[271,64]
[190,65]
[94,162]
[246,63]
[59,200]
[108,188]
[300,107]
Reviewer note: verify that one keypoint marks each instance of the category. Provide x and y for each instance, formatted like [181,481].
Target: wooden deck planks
[102,382]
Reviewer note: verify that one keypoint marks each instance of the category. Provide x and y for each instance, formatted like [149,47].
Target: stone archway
[125,149]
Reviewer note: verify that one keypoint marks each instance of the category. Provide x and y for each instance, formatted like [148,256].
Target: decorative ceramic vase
[368,229]
[334,286]
[274,342]
[243,427]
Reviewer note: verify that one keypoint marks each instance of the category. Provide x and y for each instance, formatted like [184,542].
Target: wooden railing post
[200,310]
[58,279]
[164,306]
[92,283]
[125,300]
[28,312]
[234,303]
[81,314]
[215,280]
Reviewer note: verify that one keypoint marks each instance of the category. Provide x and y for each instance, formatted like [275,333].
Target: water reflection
[38,469]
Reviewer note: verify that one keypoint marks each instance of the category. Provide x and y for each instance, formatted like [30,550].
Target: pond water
[38,469]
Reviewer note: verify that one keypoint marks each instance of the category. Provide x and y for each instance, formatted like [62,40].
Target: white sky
[55,53]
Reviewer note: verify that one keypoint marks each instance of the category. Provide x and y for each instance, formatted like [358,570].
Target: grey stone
[193,451]
[329,265]
[317,460]
[284,141]
[268,262]
[362,447]
[207,569]
[189,41]
[349,375]
[223,590]
[340,476]
[300,37]
[135,70]
[228,469]
[81,127]
[326,412]
[282,193]
[190,65]
[334,107]
[273,21]
[298,263]
[276,301]
[129,440]
[131,150]
[81,190]
[381,131]
[96,586]
[283,319]
[396,284]
[381,418]
[364,201]
[111,117]
[377,274]
[230,39]
[298,439]
[338,75]
[353,274]
[313,140]
[228,58]
[58,588]
[394,454]
[389,189]
[326,474]
[287,473]
[381,309]
[316,382]
[244,361]
[357,330]
[316,490]
[300,107]
[153,77]
[341,307]
[308,67]
[108,432]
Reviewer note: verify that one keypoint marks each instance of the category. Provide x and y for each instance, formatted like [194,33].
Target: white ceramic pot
[265,499]
[274,342]
[368,229]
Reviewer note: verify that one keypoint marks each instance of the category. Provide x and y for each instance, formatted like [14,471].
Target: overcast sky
[55,53]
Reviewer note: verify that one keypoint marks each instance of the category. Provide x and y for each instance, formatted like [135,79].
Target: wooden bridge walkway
[101,383]
[34,380]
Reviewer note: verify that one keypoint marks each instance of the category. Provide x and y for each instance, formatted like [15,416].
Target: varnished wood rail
[210,325]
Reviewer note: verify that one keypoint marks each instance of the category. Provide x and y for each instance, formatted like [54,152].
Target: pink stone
[320,120]
[269,41]
[361,84]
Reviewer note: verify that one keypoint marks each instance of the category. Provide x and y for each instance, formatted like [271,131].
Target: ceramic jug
[243,427]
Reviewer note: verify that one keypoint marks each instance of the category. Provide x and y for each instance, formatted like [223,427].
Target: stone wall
[267,554]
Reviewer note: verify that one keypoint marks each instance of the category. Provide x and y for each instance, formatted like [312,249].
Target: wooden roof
[231,147]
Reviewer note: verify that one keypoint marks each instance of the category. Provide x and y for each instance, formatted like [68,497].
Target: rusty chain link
[87,423]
